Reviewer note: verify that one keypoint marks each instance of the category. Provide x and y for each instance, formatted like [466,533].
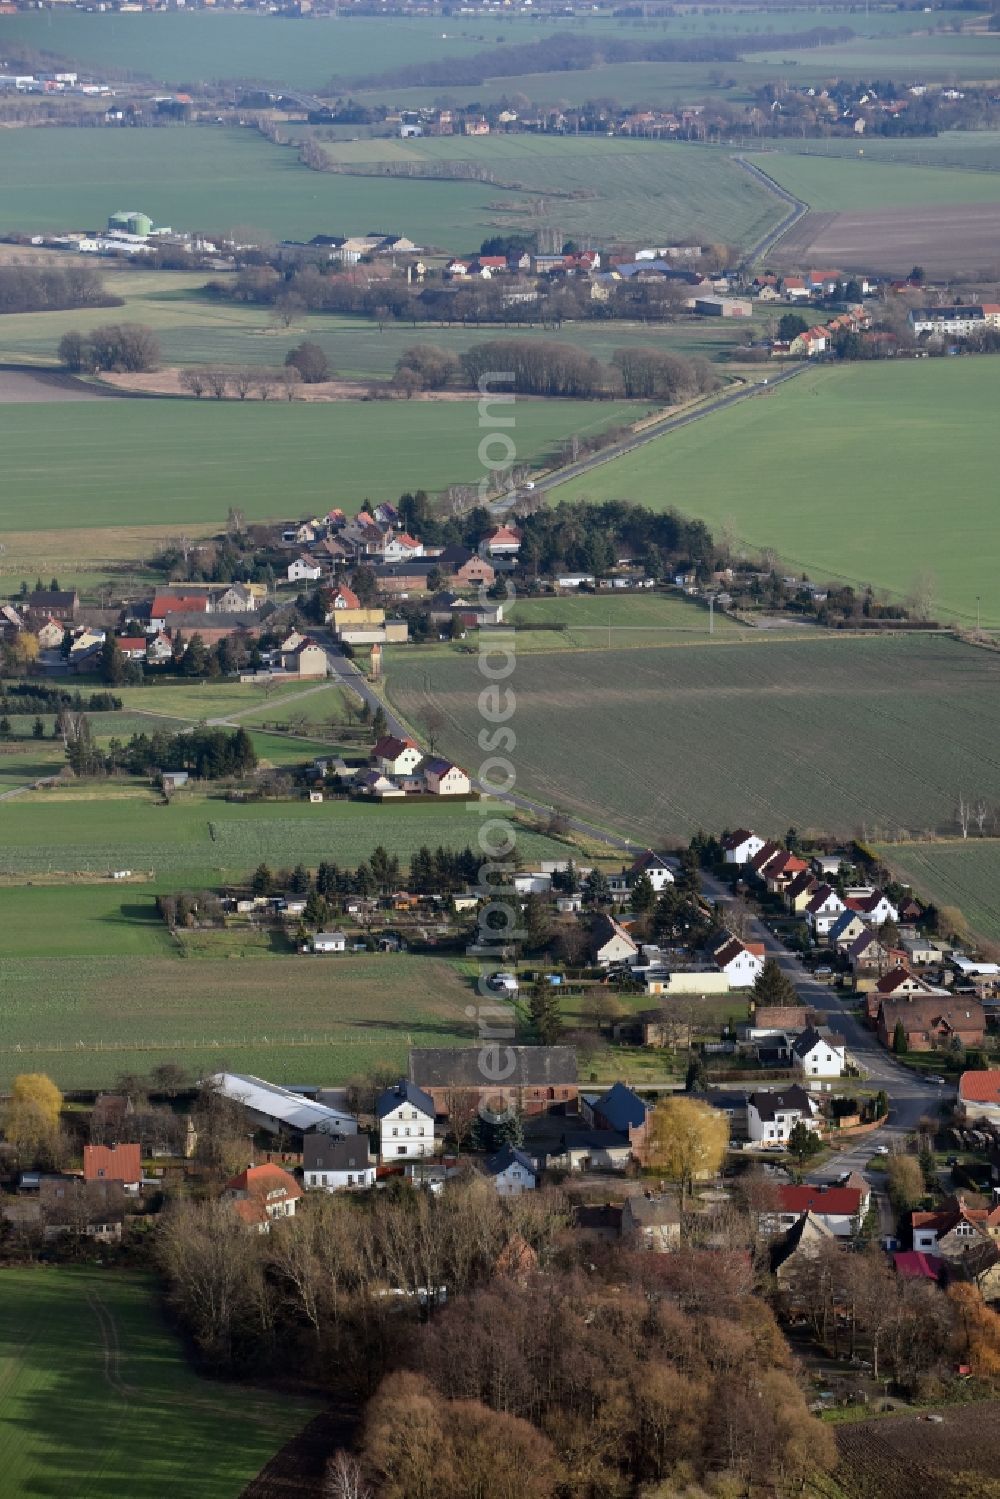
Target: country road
[798,210]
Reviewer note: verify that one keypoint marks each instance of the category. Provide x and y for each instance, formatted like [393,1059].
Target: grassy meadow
[182,463]
[591,621]
[99,1398]
[294,1017]
[199,840]
[871,473]
[961,874]
[971,150]
[839,735]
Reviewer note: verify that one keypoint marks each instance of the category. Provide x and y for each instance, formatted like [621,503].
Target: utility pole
[711,614]
[978,614]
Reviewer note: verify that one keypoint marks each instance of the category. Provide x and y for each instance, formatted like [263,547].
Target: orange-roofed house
[113,1163]
[166,604]
[262,1194]
[343,597]
[979,1095]
[505,541]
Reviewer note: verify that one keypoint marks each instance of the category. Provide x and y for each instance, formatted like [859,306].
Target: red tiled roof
[913,1264]
[844,1201]
[350,598]
[263,1179]
[176,603]
[113,1163]
[980,1087]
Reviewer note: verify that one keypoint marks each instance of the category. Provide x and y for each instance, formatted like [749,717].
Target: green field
[873,473]
[970,58]
[832,185]
[973,150]
[218,181]
[297,1019]
[200,840]
[183,463]
[195,329]
[963,875]
[99,1399]
[595,189]
[197,46]
[632,620]
[841,735]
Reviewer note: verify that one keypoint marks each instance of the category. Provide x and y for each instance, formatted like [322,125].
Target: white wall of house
[406,1134]
[340,1181]
[742,971]
[514,1180]
[822,1061]
[747,850]
[775,1131]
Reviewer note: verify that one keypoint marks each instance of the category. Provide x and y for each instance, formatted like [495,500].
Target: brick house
[934,1021]
[113,1163]
[531,1079]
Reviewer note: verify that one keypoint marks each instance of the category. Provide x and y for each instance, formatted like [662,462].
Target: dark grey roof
[352,1153]
[478,1066]
[653,1212]
[595,1139]
[49,598]
[768,1104]
[506,1157]
[622,1108]
[404,1091]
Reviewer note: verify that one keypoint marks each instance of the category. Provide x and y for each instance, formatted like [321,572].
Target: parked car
[881,1150]
[503,983]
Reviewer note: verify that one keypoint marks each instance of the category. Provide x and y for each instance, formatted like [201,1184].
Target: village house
[503,544]
[965,1237]
[303,570]
[794,1255]
[165,605]
[307,659]
[342,598]
[531,1079]
[50,634]
[979,1096]
[840,1209]
[53,603]
[741,846]
[592,1150]
[114,1163]
[622,1110]
[651,1222]
[771,1019]
[772,1115]
[337,1165]
[512,1171]
[238,598]
[819,1053]
[610,942]
[442,778]
[405,1115]
[655,868]
[822,909]
[261,1195]
[396,757]
[741,962]
[329,942]
[845,931]
[933,1022]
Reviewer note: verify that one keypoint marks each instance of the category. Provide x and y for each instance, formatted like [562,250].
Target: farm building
[274,1108]
[533,1079]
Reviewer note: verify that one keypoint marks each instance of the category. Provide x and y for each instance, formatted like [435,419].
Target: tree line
[50,288]
[208,754]
[544,367]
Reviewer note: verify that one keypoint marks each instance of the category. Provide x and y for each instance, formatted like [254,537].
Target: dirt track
[19,386]
[955,239]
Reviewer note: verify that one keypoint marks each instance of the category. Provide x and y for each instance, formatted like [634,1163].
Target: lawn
[877,474]
[839,185]
[99,1399]
[199,840]
[963,875]
[840,735]
[977,150]
[82,921]
[296,1019]
[183,463]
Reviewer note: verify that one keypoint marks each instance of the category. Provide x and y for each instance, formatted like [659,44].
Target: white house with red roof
[343,597]
[402,548]
[303,570]
[165,604]
[874,908]
[841,1209]
[794,289]
[504,542]
[396,757]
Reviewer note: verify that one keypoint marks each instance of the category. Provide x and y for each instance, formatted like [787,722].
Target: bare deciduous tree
[963,815]
[344,1479]
[217,383]
[193,381]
